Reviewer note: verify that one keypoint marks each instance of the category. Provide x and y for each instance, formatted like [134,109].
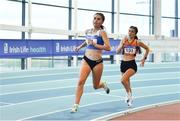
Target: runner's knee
[81,83]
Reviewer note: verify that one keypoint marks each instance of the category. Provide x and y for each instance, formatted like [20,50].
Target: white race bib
[95,41]
[130,50]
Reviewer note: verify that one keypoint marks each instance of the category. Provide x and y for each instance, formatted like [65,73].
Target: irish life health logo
[6,48]
[57,47]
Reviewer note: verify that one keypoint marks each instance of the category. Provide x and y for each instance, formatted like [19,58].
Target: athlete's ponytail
[136,37]
[102,27]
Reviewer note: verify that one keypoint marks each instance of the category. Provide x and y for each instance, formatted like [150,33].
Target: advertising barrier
[24,48]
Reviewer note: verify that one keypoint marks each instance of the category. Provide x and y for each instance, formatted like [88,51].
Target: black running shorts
[125,65]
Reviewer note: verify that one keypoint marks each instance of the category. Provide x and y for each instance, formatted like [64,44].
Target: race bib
[130,50]
[95,41]
[91,38]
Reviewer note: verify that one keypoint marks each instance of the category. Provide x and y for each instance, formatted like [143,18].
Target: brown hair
[103,18]
[136,30]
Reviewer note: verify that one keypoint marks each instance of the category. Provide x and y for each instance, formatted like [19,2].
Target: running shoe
[129,102]
[106,88]
[74,108]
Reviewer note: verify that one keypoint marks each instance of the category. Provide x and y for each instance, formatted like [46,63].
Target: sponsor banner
[13,49]
[67,47]
[18,48]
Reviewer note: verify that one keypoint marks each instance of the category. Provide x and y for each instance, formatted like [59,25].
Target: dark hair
[103,18]
[136,30]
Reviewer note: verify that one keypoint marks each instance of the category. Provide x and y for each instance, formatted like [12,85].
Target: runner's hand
[77,49]
[142,62]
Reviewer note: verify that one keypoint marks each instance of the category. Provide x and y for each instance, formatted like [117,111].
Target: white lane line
[40,70]
[65,87]
[37,75]
[60,73]
[6,103]
[169,64]
[48,113]
[132,110]
[119,75]
[90,93]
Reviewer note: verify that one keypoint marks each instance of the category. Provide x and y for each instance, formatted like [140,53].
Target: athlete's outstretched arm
[80,46]
[120,46]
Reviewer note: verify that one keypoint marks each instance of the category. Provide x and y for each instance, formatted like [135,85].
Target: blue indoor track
[49,94]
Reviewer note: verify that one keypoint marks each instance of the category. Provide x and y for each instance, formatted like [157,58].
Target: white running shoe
[129,102]
[106,88]
[74,108]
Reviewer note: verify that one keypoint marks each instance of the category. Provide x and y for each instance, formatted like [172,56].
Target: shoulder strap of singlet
[88,31]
